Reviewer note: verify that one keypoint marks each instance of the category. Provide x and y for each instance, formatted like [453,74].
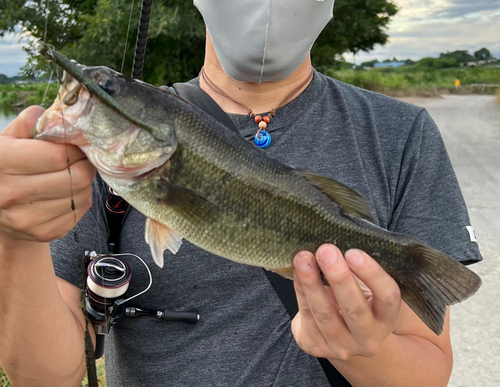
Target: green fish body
[195,179]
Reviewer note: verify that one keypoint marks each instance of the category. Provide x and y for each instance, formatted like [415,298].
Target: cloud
[428,27]
[461,8]
[12,56]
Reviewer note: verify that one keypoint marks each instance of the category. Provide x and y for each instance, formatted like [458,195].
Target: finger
[304,261]
[28,157]
[355,310]
[58,227]
[386,301]
[25,217]
[22,126]
[16,190]
[304,328]
[322,308]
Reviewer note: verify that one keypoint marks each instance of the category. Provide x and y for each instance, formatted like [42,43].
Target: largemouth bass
[195,179]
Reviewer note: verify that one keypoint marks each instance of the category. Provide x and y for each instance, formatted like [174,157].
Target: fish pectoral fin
[286,272]
[345,197]
[189,204]
[159,238]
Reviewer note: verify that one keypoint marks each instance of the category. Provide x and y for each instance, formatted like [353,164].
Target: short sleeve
[429,204]
[90,233]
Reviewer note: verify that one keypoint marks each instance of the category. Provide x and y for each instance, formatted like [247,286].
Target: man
[388,151]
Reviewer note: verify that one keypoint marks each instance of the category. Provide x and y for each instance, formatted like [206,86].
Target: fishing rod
[142,39]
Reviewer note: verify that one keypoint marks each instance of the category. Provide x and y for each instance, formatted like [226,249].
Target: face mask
[263,40]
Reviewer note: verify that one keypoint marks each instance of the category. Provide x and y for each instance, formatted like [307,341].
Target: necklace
[262,138]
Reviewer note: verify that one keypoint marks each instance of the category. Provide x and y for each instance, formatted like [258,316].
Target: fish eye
[109,86]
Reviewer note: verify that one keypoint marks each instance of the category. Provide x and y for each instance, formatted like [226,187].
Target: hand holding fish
[35,192]
[341,321]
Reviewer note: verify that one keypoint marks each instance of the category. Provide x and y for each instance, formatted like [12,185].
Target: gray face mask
[263,40]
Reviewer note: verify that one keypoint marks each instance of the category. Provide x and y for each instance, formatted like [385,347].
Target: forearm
[42,339]
[403,360]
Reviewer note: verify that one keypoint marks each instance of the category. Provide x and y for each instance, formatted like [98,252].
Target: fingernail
[327,255]
[304,262]
[354,258]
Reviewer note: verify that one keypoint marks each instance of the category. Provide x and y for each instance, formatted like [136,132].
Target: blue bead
[264,140]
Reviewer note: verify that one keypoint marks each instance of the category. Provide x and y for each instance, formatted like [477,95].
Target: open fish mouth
[59,122]
[97,110]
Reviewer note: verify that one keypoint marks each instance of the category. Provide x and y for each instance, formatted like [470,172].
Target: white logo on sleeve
[472,233]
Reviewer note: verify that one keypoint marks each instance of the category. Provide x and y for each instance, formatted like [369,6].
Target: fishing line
[73,207]
[47,88]
[89,349]
[46,21]
[126,38]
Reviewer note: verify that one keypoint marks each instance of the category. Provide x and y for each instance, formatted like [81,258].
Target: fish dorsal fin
[346,198]
[159,238]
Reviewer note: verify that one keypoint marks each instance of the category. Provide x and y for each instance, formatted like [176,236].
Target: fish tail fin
[433,282]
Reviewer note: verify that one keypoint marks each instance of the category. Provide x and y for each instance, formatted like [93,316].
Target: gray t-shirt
[389,151]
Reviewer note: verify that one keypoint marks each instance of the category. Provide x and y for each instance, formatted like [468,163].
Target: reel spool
[108,279]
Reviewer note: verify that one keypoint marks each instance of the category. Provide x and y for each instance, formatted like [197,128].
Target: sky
[12,57]
[428,27]
[421,28]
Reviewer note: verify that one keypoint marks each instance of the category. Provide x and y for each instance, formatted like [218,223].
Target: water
[6,116]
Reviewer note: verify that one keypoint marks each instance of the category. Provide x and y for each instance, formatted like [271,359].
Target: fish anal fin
[189,204]
[286,272]
[160,238]
[345,197]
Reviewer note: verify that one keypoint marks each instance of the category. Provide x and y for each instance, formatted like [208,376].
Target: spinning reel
[107,282]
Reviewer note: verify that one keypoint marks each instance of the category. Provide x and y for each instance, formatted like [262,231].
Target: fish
[195,179]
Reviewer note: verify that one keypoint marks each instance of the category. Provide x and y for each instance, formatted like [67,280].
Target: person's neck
[261,98]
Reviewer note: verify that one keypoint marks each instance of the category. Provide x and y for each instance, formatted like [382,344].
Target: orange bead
[267,120]
[262,125]
[258,119]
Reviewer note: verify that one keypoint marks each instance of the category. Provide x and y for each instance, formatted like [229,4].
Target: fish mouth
[92,111]
[77,72]
[124,173]
[59,123]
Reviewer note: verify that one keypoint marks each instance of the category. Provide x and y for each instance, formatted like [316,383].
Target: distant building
[389,64]
[479,62]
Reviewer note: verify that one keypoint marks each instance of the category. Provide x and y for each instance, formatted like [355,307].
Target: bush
[415,79]
[27,94]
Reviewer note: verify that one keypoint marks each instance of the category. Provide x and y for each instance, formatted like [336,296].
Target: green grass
[101,375]
[416,80]
[26,94]
[404,80]
[4,382]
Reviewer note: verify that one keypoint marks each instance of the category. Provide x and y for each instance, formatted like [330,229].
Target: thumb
[22,126]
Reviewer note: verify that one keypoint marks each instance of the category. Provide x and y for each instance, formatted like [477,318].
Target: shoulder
[362,97]
[387,116]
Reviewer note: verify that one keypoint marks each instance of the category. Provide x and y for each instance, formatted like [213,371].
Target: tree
[357,25]
[371,63]
[483,54]
[93,32]
[460,56]
[438,63]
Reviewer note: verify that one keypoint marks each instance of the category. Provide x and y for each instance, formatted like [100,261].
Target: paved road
[470,126]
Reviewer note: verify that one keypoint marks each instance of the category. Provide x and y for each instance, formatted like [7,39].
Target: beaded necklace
[262,138]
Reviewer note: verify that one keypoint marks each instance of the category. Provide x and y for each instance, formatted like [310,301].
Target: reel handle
[190,316]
